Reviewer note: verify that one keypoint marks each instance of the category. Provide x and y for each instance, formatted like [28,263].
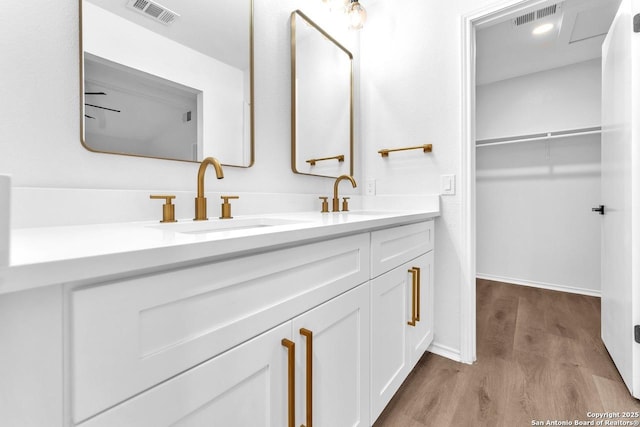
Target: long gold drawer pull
[309,335]
[414,291]
[291,368]
[418,297]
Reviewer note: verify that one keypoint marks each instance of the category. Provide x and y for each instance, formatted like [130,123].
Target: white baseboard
[445,351]
[541,285]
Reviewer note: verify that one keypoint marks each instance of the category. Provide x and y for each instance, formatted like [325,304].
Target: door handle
[418,293]
[599,209]
[291,368]
[414,291]
[309,336]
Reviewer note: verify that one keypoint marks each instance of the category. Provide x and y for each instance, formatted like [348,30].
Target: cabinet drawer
[128,336]
[395,246]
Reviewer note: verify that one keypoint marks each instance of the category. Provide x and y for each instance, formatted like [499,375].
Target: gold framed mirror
[168,79]
[321,101]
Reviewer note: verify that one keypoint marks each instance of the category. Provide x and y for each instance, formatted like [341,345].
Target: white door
[339,370]
[246,386]
[422,334]
[401,329]
[391,295]
[620,193]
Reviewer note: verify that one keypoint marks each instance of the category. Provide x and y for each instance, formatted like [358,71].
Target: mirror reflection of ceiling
[217,21]
[505,50]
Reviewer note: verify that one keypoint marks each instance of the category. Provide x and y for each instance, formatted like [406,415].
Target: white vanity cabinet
[130,335]
[224,333]
[401,307]
[249,384]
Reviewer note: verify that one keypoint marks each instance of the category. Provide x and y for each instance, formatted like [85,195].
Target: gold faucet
[201,201]
[336,199]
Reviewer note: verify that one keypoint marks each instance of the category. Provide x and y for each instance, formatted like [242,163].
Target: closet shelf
[538,136]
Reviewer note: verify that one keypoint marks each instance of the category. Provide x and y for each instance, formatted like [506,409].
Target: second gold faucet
[336,199]
[201,201]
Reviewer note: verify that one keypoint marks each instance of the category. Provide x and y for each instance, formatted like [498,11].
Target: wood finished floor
[540,357]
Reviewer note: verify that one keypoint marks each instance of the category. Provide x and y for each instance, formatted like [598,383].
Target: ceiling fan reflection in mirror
[97,106]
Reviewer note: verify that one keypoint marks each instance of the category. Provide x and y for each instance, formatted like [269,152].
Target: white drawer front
[395,246]
[130,335]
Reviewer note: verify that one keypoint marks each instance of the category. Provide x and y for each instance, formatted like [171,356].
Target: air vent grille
[525,19]
[153,10]
[546,11]
[536,14]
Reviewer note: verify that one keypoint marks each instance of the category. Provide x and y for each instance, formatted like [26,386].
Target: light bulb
[357,15]
[541,29]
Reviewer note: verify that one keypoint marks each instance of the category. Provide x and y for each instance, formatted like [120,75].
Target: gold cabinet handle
[414,291]
[419,280]
[291,368]
[309,336]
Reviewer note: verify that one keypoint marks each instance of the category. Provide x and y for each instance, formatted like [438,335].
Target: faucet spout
[201,201]
[336,199]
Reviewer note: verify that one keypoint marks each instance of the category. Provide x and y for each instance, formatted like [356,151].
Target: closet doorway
[536,160]
[538,114]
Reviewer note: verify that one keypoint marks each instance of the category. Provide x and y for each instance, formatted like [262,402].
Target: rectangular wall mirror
[168,79]
[321,101]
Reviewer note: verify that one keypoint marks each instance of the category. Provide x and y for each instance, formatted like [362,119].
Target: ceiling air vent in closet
[536,14]
[153,10]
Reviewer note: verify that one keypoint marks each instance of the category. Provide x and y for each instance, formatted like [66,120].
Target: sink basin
[219,225]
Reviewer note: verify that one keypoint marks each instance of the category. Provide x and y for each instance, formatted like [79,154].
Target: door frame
[470,22]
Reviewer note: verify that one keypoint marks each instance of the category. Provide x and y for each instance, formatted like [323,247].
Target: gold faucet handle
[345,204]
[325,204]
[168,209]
[226,206]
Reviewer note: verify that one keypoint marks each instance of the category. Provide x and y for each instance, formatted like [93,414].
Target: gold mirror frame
[251,97]
[294,94]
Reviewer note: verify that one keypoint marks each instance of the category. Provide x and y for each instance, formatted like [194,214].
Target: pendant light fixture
[356,15]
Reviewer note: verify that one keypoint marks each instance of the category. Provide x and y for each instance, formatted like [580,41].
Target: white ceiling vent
[536,14]
[153,10]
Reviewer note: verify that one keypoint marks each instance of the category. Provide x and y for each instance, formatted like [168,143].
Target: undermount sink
[218,225]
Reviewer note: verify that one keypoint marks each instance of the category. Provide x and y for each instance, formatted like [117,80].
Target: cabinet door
[246,386]
[421,335]
[339,363]
[401,328]
[390,347]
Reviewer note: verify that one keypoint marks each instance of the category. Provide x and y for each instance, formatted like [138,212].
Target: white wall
[534,199]
[40,110]
[411,94]
[557,99]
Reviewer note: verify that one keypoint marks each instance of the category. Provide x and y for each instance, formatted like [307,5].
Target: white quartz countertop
[77,254]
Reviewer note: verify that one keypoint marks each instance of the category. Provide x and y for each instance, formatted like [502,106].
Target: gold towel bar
[427,148]
[339,157]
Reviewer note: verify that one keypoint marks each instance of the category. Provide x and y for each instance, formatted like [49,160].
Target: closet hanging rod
[539,137]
